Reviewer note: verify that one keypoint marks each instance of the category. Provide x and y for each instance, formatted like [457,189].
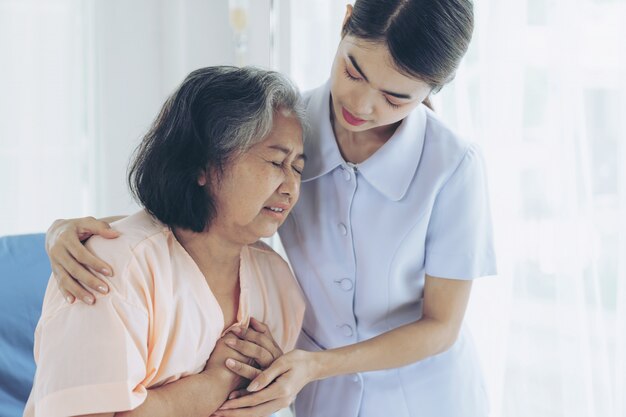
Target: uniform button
[355,378]
[347,330]
[346,174]
[345,284]
[343,229]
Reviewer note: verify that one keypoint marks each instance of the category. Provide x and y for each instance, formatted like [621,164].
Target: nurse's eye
[391,104]
[277,164]
[350,76]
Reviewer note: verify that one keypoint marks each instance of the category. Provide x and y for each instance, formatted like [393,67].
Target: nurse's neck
[356,147]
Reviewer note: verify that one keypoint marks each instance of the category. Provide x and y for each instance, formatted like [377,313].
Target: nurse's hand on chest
[287,375]
[445,302]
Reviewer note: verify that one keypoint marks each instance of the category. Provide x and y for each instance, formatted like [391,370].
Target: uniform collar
[390,170]
[320,145]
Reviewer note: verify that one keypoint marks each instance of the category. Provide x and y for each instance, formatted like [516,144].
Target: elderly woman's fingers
[70,289]
[262,338]
[242,369]
[261,355]
[238,393]
[259,326]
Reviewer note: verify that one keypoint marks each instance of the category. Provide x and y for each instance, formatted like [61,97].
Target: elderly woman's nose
[291,185]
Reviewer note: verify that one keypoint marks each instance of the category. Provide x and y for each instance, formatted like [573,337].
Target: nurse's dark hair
[215,114]
[426,38]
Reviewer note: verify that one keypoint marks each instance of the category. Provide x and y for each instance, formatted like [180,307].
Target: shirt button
[346,175]
[343,229]
[345,284]
[355,378]
[347,330]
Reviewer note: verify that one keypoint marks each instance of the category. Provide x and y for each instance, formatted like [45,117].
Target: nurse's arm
[445,302]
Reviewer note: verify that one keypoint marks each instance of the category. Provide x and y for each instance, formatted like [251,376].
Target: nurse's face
[259,188]
[367,90]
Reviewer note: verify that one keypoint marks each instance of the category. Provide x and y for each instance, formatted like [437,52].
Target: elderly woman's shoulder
[140,236]
[134,230]
[263,254]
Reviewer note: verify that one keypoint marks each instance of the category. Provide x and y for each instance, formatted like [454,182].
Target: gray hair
[215,114]
[270,92]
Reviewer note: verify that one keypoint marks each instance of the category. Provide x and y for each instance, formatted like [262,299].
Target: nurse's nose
[361,102]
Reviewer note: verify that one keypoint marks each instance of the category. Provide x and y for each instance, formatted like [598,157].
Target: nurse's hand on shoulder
[274,388]
[71,261]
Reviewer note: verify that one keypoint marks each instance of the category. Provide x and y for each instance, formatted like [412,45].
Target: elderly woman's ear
[202,178]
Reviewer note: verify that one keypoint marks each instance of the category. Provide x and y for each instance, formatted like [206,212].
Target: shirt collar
[392,167]
[320,145]
[389,170]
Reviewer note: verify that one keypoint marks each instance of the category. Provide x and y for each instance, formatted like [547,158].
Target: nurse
[392,227]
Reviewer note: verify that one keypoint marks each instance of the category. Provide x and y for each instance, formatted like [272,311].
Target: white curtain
[80,83]
[44,140]
[543,91]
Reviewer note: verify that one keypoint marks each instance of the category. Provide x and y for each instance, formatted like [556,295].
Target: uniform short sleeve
[90,359]
[459,240]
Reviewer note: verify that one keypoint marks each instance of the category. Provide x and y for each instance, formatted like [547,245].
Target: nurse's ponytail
[426,38]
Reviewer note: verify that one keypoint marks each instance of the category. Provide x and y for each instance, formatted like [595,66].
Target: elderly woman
[219,169]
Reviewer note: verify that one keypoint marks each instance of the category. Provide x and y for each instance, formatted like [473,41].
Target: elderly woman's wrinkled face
[259,188]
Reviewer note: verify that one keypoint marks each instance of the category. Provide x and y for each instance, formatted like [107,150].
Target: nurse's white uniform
[360,241]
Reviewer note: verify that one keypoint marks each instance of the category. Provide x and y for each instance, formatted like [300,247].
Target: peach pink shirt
[159,323]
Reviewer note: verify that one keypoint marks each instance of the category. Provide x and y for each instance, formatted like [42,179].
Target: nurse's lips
[353,120]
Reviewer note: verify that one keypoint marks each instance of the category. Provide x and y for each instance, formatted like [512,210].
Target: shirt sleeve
[90,359]
[459,240]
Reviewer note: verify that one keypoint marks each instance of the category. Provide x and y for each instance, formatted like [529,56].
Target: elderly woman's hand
[217,362]
[275,388]
[70,260]
[244,353]
[257,343]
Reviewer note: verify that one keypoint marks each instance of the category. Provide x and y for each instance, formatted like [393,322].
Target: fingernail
[230,363]
[69,299]
[105,271]
[103,289]
[253,387]
[236,330]
[232,396]
[230,342]
[88,299]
